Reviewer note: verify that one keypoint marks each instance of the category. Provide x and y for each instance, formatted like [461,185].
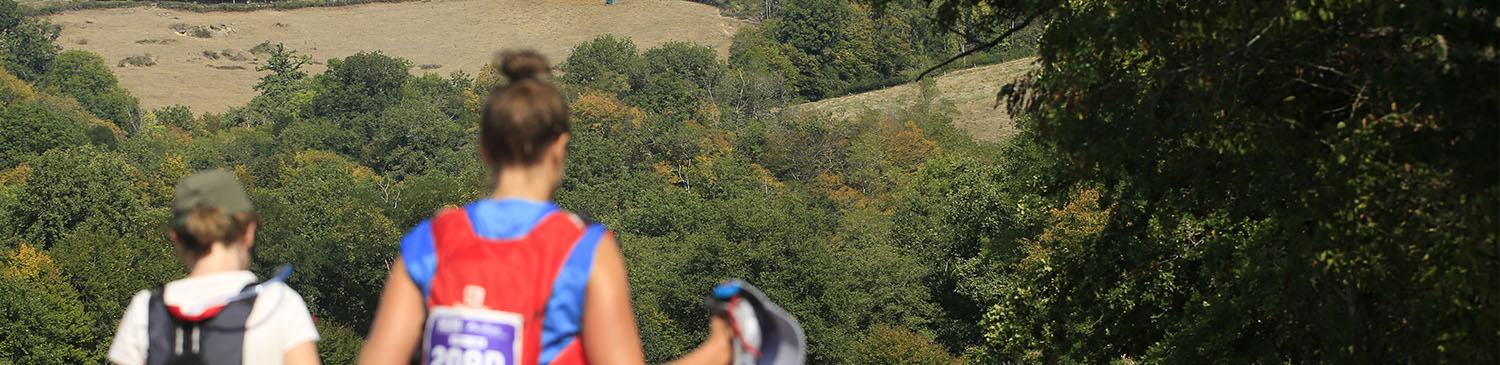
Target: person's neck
[220,259]
[529,183]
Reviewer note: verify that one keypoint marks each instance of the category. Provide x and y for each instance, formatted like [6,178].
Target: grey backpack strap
[160,330]
[223,336]
[216,340]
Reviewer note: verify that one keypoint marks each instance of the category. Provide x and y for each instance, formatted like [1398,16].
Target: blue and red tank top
[503,282]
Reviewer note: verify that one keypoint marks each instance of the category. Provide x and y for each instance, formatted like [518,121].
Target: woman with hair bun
[513,279]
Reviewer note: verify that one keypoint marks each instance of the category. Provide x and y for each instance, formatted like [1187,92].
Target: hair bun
[516,65]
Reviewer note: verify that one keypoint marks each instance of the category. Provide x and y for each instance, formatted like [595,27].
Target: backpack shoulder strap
[222,338]
[161,329]
[564,309]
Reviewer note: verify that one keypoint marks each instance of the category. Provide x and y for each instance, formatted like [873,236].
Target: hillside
[455,35]
[972,92]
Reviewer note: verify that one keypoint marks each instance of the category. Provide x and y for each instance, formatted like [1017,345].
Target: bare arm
[398,322]
[609,326]
[608,321]
[716,349]
[303,354]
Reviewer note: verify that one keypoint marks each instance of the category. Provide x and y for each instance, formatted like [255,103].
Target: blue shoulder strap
[420,255]
[489,218]
[564,316]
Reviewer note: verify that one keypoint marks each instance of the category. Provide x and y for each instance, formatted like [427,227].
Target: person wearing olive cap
[218,314]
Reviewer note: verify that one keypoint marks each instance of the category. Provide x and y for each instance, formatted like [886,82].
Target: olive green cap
[212,188]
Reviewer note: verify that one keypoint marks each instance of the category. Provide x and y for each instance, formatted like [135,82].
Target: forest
[1220,181]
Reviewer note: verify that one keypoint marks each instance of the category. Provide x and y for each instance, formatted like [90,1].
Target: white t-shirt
[278,321]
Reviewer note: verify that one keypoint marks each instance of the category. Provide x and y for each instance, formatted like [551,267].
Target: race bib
[468,336]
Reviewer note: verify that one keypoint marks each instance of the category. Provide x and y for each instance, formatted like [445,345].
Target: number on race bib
[466,336]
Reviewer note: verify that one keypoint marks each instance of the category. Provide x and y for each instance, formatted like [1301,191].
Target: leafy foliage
[889,345]
[86,78]
[1301,182]
[82,188]
[108,269]
[176,116]
[43,320]
[27,129]
[604,64]
[26,44]
[1308,181]
[285,66]
[363,81]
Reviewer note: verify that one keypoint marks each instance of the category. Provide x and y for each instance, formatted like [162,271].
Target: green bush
[28,129]
[605,64]
[85,77]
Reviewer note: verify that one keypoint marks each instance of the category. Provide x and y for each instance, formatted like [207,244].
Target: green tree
[696,64]
[285,66]
[323,134]
[605,63]
[28,129]
[420,197]
[1308,181]
[762,76]
[676,80]
[839,47]
[78,188]
[363,82]
[177,116]
[452,95]
[42,319]
[813,28]
[85,77]
[27,48]
[10,15]
[108,269]
[338,344]
[412,137]
[327,219]
[230,149]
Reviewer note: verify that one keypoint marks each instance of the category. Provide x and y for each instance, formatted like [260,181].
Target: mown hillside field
[1171,182]
[214,70]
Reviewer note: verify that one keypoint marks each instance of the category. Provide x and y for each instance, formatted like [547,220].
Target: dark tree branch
[966,37]
[1013,29]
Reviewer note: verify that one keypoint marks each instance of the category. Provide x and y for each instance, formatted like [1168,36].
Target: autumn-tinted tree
[42,319]
[85,77]
[108,269]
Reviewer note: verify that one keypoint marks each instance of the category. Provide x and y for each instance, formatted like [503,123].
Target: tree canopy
[1223,181]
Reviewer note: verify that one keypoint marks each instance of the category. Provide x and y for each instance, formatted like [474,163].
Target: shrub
[139,61]
[233,55]
[264,48]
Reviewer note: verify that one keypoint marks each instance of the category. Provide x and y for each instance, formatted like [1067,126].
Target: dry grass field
[455,34]
[971,91]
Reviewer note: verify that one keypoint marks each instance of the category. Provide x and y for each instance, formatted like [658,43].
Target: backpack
[214,337]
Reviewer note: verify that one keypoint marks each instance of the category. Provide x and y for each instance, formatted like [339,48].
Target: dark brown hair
[207,225]
[524,116]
